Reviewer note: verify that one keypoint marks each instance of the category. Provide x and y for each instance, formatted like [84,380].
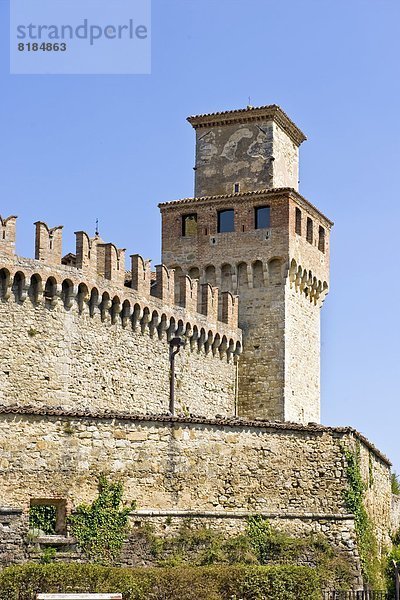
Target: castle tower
[250,232]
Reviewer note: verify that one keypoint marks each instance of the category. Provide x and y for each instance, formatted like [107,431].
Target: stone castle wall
[97,337]
[59,357]
[215,472]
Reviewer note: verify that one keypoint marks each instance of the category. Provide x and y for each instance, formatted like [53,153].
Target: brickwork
[281,280]
[85,361]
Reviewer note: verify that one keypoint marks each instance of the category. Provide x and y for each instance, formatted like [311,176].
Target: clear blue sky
[74,148]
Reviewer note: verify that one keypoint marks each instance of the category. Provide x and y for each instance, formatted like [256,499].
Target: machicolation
[87,369]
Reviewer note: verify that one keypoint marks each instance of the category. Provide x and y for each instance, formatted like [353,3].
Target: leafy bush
[100,527]
[181,583]
[43,518]
[259,544]
[395,484]
[199,547]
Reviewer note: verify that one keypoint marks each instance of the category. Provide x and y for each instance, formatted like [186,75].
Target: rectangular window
[262,217]
[236,188]
[226,220]
[47,517]
[321,239]
[298,221]
[189,225]
[309,230]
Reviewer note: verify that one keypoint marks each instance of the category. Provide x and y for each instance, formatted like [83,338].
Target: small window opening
[226,221]
[298,221]
[262,217]
[205,231]
[47,517]
[34,288]
[242,227]
[236,188]
[309,230]
[189,225]
[4,235]
[321,239]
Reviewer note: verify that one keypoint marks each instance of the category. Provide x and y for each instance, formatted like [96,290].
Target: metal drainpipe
[176,343]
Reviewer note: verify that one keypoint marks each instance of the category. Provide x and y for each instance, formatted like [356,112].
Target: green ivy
[366,539]
[259,532]
[43,518]
[395,484]
[259,544]
[48,555]
[100,527]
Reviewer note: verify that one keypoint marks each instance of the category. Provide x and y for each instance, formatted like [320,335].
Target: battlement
[94,280]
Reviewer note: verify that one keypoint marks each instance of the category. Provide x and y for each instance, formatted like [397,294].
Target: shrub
[43,518]
[100,527]
[284,582]
[259,544]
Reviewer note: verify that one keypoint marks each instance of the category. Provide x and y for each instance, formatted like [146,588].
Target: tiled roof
[266,192]
[271,112]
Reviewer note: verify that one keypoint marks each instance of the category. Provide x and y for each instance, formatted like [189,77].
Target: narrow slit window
[236,188]
[189,225]
[226,221]
[321,239]
[298,221]
[309,230]
[262,217]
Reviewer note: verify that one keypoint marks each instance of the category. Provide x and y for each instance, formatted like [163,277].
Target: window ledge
[59,540]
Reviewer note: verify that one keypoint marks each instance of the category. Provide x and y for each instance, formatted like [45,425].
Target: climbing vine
[100,527]
[259,532]
[354,499]
[42,518]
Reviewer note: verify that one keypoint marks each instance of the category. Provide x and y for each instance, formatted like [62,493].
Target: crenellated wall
[94,336]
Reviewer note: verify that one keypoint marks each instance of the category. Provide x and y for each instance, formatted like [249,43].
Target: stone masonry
[85,362]
[279,267]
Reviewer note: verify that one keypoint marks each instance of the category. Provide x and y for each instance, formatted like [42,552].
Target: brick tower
[250,232]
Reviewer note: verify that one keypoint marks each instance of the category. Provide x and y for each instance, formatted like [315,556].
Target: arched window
[194,273]
[274,270]
[35,288]
[210,275]
[258,274]
[67,293]
[226,278]
[83,295]
[94,301]
[177,293]
[242,275]
[4,282]
[50,289]
[18,285]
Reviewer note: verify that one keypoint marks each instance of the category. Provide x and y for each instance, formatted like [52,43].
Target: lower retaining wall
[215,473]
[18,547]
